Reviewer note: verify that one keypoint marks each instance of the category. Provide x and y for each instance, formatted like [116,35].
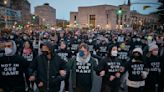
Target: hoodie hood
[14,49]
[139,50]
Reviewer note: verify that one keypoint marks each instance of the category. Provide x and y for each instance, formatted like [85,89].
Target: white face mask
[114,53]
[8,51]
[138,39]
[90,40]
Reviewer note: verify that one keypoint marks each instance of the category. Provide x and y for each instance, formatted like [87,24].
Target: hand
[62,73]
[112,78]
[102,73]
[40,84]
[117,75]
[32,78]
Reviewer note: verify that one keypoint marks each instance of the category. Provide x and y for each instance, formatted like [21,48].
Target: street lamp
[5,6]
[5,2]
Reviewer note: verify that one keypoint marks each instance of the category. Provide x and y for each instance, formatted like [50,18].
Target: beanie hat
[153,46]
[138,50]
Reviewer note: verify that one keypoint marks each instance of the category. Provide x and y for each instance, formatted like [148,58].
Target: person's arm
[62,69]
[32,69]
[25,68]
[100,69]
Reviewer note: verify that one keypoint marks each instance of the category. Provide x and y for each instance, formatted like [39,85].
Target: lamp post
[5,6]
[119,14]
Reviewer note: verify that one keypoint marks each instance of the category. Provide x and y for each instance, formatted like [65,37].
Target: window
[92,19]
[74,18]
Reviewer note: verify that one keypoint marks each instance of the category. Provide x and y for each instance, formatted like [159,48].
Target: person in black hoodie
[153,62]
[137,71]
[110,69]
[65,54]
[12,69]
[48,69]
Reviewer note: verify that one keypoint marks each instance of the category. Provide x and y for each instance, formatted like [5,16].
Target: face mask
[25,37]
[90,40]
[138,39]
[137,57]
[8,51]
[81,53]
[11,37]
[114,53]
[155,53]
[45,53]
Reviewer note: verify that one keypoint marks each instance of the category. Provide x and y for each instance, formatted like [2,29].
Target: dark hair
[84,45]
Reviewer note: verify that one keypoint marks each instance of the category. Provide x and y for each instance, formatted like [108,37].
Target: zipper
[48,72]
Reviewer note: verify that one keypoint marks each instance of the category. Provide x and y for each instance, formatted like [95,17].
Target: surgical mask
[81,53]
[138,39]
[11,37]
[8,51]
[25,37]
[155,53]
[90,40]
[114,53]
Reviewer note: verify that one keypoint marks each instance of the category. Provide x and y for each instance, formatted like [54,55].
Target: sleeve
[25,68]
[33,67]
[100,67]
[127,65]
[62,64]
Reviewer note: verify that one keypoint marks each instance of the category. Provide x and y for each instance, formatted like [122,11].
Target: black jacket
[47,71]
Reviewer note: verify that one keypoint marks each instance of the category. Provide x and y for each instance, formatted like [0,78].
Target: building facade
[47,14]
[109,17]
[25,7]
[8,16]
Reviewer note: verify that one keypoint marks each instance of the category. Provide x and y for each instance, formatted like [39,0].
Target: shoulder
[18,57]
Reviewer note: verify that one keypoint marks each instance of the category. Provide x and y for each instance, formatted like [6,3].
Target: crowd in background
[47,59]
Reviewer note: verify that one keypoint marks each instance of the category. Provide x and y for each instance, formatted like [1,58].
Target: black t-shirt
[135,70]
[64,54]
[153,64]
[83,74]
[11,71]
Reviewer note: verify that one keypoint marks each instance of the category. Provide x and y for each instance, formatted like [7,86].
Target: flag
[145,7]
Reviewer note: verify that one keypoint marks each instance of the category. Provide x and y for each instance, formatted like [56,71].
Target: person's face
[27,45]
[136,54]
[114,49]
[63,45]
[45,49]
[8,45]
[155,52]
[61,34]
[85,51]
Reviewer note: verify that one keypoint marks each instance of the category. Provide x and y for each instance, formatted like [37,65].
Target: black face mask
[137,57]
[45,53]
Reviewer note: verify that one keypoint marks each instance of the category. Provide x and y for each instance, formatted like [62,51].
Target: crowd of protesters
[47,59]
